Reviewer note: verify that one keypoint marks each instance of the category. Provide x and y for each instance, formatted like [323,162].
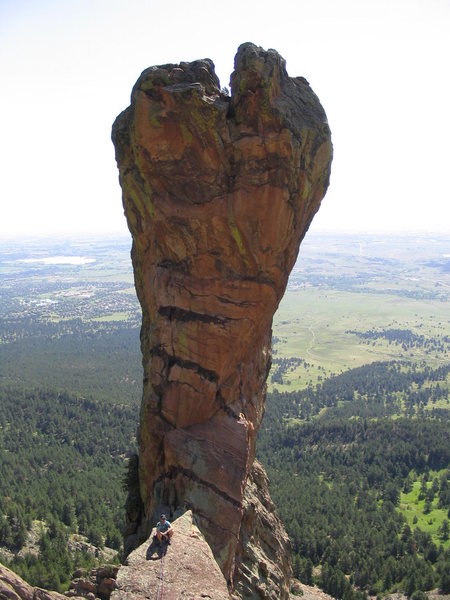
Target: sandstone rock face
[218,192]
[185,569]
[12,587]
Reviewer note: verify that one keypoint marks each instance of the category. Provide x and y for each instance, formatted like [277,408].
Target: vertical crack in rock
[218,192]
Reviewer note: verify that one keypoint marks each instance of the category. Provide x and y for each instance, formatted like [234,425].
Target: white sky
[380,68]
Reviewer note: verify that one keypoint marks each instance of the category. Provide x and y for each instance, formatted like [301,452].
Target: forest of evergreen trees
[338,455]
[62,460]
[336,478]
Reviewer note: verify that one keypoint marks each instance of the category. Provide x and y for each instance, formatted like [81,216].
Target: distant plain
[342,287]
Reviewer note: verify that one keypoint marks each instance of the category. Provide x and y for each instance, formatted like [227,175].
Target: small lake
[59,260]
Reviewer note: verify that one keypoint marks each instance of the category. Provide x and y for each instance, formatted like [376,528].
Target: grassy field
[314,324]
[341,283]
[115,316]
[412,508]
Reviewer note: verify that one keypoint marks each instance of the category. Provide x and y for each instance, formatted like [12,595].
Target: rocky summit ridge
[218,192]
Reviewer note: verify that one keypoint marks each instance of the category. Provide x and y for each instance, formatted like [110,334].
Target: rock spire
[218,192]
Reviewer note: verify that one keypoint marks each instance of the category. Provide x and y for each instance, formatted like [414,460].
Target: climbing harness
[160,590]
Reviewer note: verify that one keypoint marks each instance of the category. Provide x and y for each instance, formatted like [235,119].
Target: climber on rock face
[164,529]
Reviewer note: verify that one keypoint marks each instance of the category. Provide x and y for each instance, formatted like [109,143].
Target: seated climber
[164,530]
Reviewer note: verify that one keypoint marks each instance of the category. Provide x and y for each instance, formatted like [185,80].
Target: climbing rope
[160,590]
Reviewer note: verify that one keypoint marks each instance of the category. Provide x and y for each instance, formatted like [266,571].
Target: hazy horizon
[377,66]
[79,235]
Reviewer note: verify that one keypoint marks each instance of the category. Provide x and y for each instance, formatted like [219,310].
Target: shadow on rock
[156,550]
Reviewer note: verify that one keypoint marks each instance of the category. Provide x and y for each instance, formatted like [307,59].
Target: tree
[411,585]
[307,572]
[419,595]
[95,537]
[423,488]
[392,493]
[444,531]
[408,485]
[68,516]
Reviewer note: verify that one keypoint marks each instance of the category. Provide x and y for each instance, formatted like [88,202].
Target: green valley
[355,437]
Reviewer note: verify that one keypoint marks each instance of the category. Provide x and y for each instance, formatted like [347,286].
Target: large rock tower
[218,192]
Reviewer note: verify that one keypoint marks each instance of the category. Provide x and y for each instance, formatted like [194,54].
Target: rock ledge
[185,569]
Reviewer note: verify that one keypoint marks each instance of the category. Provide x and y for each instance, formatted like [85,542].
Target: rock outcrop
[185,569]
[96,583]
[12,587]
[218,192]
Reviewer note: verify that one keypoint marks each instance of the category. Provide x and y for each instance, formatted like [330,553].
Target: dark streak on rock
[174,313]
[188,474]
[185,364]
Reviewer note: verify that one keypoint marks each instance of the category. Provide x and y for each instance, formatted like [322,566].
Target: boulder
[99,582]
